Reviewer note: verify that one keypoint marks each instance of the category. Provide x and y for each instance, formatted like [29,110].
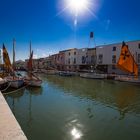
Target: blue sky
[51,30]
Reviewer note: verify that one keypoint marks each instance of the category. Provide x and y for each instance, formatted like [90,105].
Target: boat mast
[133,63]
[30,48]
[14,41]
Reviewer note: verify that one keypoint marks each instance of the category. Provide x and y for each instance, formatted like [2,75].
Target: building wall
[105,55]
[76,59]
[71,59]
[82,58]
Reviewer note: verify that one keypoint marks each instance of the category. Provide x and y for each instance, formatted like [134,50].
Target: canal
[70,108]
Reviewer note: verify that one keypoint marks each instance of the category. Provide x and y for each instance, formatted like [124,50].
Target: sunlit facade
[108,55]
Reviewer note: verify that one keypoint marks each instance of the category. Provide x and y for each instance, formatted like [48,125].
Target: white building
[108,55]
[86,58]
[70,59]
[80,59]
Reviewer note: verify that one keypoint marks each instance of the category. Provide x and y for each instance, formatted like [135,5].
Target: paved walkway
[9,127]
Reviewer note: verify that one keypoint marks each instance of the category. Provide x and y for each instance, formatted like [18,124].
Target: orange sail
[6,59]
[126,61]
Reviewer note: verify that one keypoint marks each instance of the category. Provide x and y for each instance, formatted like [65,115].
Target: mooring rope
[6,93]
[6,87]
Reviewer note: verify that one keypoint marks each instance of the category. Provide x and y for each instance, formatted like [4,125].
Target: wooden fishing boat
[13,80]
[33,82]
[93,75]
[16,82]
[32,79]
[65,73]
[128,79]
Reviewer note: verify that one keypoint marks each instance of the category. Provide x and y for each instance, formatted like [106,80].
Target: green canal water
[70,108]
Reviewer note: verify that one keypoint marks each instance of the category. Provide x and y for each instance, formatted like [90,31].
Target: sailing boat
[127,64]
[14,81]
[32,80]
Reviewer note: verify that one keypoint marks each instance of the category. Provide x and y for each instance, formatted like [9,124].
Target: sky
[51,26]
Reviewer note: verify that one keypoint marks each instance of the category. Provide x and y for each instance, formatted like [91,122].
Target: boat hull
[16,83]
[33,83]
[128,80]
[3,84]
[93,76]
[65,74]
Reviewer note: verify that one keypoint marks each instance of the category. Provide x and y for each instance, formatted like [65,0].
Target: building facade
[104,58]
[108,55]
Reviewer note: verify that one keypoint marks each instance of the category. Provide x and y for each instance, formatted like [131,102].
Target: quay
[9,127]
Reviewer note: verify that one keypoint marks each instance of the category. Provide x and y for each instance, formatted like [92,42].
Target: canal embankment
[9,127]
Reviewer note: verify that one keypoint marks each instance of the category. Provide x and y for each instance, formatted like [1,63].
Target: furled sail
[30,62]
[126,61]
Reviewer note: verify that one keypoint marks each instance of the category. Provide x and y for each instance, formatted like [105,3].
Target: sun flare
[78,9]
[77,6]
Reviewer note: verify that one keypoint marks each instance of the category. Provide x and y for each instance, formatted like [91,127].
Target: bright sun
[77,6]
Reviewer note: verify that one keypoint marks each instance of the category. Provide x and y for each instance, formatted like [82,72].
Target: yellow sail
[126,61]
[6,59]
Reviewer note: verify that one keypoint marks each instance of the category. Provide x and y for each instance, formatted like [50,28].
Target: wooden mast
[30,48]
[14,41]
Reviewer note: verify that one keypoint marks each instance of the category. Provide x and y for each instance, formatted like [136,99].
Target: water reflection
[125,100]
[75,129]
[16,95]
[76,133]
[74,108]
[120,96]
[35,90]
[90,114]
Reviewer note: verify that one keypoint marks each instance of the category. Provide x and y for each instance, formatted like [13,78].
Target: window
[139,45]
[113,58]
[83,59]
[74,61]
[138,58]
[114,48]
[69,53]
[69,60]
[100,60]
[93,59]
[74,53]
[113,67]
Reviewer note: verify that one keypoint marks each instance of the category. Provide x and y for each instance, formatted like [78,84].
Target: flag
[91,34]
[126,61]
[6,58]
